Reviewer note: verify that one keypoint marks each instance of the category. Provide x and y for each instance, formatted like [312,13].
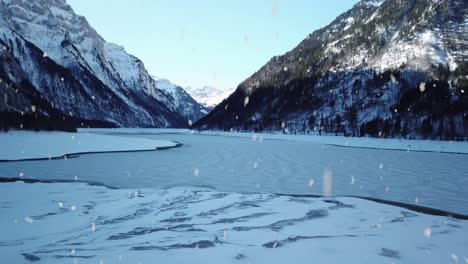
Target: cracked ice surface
[198,225]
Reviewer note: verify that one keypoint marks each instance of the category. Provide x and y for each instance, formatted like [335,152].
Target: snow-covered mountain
[185,104]
[208,96]
[55,63]
[383,68]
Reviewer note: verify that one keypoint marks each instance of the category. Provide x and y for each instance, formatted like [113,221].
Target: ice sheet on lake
[359,142]
[65,222]
[16,145]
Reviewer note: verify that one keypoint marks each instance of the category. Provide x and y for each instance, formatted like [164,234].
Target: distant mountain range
[55,68]
[208,96]
[386,68]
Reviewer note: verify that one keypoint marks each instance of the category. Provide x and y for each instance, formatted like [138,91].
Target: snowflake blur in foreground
[274,9]
[422,87]
[427,232]
[353,180]
[311,183]
[28,219]
[393,78]
[93,227]
[246,101]
[327,182]
[196,172]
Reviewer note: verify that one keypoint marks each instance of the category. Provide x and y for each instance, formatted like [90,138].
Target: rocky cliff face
[50,54]
[383,68]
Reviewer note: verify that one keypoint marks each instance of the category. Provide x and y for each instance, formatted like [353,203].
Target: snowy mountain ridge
[68,40]
[383,68]
[208,96]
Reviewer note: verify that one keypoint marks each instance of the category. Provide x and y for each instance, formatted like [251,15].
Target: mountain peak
[361,75]
[88,68]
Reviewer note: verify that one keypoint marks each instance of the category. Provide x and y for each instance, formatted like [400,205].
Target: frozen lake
[244,165]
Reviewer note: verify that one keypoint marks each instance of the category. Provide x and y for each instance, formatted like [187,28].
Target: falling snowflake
[311,183]
[255,165]
[190,122]
[455,258]
[274,9]
[422,87]
[225,234]
[33,108]
[246,101]
[353,180]
[285,69]
[73,208]
[246,39]
[275,245]
[28,219]
[283,125]
[381,166]
[72,252]
[92,97]
[21,174]
[76,178]
[93,227]
[393,78]
[327,182]
[387,189]
[427,232]
[60,204]
[196,172]
[62,79]
[462,91]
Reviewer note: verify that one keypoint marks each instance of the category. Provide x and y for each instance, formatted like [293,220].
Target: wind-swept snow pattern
[60,222]
[22,145]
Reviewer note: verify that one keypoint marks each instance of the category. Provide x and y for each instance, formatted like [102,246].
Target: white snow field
[20,145]
[231,198]
[78,223]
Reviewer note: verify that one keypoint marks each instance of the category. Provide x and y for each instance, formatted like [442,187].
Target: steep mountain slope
[75,72]
[184,104]
[208,96]
[383,68]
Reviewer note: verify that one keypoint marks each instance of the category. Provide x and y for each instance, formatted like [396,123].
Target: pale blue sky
[207,42]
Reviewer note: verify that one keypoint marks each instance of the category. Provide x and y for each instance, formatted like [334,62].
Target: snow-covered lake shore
[357,142]
[78,223]
[27,145]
